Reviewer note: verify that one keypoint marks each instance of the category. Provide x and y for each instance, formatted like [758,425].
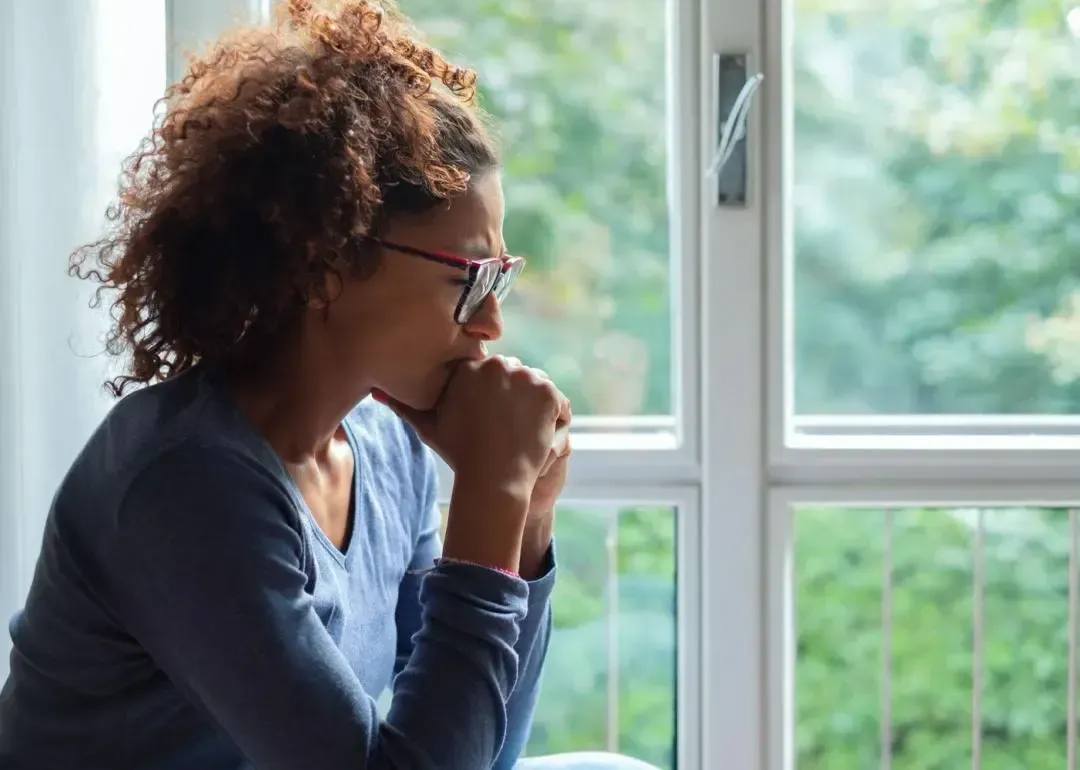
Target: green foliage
[614,609]
[936,182]
[840,585]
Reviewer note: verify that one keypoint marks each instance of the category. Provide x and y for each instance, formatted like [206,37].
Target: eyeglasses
[483,276]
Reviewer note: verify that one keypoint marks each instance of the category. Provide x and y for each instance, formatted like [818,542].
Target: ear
[319,297]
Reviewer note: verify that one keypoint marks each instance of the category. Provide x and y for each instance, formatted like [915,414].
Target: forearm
[485,524]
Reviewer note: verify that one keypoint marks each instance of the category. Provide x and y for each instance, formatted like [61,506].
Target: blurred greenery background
[935,185]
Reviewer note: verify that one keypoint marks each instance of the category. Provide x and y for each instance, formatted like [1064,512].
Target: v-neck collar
[340,555]
[273,459]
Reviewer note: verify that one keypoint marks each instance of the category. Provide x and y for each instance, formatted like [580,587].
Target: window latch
[734,95]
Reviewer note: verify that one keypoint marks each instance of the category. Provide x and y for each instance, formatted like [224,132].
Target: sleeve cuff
[483,586]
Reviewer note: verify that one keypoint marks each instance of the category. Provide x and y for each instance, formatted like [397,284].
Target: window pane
[935,186]
[609,681]
[910,620]
[577,92]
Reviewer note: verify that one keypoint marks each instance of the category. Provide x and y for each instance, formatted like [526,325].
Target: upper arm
[207,576]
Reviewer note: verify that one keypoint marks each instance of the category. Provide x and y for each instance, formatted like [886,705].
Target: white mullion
[1074,598]
[978,587]
[781,635]
[732,418]
[1004,460]
[959,495]
[777,220]
[684,189]
[692,635]
[611,551]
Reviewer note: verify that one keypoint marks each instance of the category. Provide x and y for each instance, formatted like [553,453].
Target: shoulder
[211,485]
[170,433]
[171,457]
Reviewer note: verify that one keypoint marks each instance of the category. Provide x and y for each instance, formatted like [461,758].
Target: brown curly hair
[273,156]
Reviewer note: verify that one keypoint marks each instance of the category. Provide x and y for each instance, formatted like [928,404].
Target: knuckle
[551,392]
[521,375]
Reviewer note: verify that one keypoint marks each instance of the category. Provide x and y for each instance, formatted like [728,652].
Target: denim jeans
[586,760]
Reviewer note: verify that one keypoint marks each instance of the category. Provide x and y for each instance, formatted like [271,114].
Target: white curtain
[78,82]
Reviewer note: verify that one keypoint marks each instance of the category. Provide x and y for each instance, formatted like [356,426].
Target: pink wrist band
[511,573]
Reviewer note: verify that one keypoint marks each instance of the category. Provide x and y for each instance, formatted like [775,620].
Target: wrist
[485,524]
[513,489]
[535,544]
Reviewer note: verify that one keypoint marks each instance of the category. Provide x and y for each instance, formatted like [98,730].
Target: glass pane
[577,92]
[609,681]
[935,186]
[888,614]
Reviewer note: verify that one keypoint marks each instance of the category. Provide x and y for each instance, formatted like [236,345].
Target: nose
[487,322]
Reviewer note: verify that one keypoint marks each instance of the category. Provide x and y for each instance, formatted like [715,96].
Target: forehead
[470,225]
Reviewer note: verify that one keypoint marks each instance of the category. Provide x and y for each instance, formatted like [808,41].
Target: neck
[297,397]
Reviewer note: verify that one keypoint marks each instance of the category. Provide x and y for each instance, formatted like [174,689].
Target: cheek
[397,329]
[417,337]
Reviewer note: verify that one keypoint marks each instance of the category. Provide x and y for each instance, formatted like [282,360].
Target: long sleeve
[206,573]
[531,646]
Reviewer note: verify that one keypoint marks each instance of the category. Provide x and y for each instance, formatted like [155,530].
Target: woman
[242,559]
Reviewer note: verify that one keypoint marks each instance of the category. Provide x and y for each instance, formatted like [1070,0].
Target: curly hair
[277,151]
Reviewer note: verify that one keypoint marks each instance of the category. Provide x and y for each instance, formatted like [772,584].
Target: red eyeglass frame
[510,268]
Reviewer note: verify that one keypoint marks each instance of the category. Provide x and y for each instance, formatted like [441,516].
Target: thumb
[422,422]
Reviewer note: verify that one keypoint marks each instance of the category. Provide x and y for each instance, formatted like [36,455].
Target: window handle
[734,96]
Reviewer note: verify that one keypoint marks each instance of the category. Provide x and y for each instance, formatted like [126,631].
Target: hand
[540,521]
[552,480]
[496,420]
[495,427]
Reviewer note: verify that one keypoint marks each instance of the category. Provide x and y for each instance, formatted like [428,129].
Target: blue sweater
[188,613]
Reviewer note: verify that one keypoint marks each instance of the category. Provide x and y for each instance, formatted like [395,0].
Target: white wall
[78,81]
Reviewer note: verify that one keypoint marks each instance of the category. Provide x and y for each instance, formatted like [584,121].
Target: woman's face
[396,330]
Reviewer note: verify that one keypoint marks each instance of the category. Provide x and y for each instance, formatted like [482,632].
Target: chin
[421,396]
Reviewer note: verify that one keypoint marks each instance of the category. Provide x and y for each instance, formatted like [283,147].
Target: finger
[549,463]
[555,458]
[564,415]
[539,374]
[566,412]
[561,440]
